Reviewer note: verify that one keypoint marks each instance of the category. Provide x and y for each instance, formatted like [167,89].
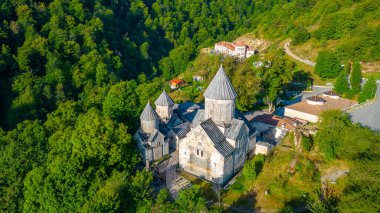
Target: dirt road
[287,51]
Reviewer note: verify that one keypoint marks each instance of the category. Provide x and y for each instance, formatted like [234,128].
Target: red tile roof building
[238,49]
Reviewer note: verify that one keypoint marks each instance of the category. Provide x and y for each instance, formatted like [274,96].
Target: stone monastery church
[213,140]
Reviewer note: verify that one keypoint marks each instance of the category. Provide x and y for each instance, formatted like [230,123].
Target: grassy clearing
[206,186]
[309,69]
[287,179]
[376,75]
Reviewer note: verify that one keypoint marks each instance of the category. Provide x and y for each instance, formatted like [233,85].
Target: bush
[300,36]
[253,167]
[356,77]
[369,91]
[327,65]
[307,143]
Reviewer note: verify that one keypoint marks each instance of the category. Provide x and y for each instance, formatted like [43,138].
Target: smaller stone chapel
[213,140]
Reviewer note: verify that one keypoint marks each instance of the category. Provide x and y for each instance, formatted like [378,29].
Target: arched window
[201,153]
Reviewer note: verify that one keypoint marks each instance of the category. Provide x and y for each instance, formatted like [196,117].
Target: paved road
[369,115]
[287,51]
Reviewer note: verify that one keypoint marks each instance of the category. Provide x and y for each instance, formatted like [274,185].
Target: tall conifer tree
[341,84]
[356,76]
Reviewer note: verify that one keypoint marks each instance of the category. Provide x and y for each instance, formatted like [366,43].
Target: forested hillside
[74,76]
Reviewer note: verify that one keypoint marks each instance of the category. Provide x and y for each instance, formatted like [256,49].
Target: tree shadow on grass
[245,203]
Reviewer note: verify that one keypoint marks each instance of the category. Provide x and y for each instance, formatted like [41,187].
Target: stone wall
[164,112]
[210,166]
[219,110]
[149,126]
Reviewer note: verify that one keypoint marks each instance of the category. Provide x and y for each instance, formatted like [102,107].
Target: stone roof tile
[220,87]
[149,114]
[164,100]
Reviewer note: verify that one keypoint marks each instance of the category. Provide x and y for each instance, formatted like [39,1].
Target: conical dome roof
[164,100]
[149,114]
[220,87]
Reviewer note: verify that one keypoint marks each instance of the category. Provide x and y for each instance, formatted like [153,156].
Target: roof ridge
[220,87]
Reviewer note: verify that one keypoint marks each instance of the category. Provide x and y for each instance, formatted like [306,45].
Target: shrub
[341,84]
[300,36]
[356,76]
[327,65]
[307,143]
[369,91]
[253,167]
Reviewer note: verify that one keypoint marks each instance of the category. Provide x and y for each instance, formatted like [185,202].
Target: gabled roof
[199,117]
[217,137]
[232,132]
[240,116]
[164,100]
[220,87]
[276,121]
[182,129]
[174,121]
[176,81]
[212,131]
[149,114]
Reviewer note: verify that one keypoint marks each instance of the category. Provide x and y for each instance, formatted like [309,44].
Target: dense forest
[74,76]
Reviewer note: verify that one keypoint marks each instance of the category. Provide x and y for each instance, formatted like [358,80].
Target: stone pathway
[332,177]
[175,182]
[287,51]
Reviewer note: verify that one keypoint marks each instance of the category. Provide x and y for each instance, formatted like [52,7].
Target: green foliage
[163,203]
[140,186]
[307,142]
[337,135]
[247,85]
[72,66]
[21,150]
[122,102]
[276,77]
[364,187]
[327,65]
[369,91]
[253,167]
[356,77]
[191,200]
[300,36]
[341,83]
[83,155]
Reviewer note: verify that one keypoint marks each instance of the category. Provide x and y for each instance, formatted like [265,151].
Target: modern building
[311,108]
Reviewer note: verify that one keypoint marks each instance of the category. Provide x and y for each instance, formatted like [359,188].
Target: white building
[311,108]
[263,148]
[238,49]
